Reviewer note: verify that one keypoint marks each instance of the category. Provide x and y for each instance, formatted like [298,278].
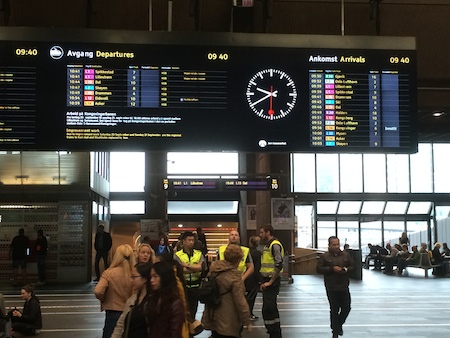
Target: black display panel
[168,91]
[220,184]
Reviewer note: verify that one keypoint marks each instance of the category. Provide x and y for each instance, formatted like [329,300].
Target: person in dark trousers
[193,263]
[202,238]
[18,251]
[102,244]
[336,266]
[29,320]
[271,268]
[253,282]
[40,248]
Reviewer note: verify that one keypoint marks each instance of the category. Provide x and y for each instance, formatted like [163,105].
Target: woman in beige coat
[114,288]
[132,322]
[228,318]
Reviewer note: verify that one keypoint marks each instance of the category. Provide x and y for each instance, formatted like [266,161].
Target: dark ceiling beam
[5,7]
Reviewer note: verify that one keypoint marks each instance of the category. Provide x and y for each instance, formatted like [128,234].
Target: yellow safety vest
[242,267]
[268,261]
[191,280]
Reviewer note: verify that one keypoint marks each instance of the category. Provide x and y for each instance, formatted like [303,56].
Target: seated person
[375,255]
[28,321]
[404,252]
[5,323]
[390,259]
[445,250]
[423,248]
[438,259]
[413,259]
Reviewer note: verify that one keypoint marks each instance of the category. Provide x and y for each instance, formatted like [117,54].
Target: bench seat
[425,264]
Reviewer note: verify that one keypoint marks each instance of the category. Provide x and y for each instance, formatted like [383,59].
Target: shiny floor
[409,306]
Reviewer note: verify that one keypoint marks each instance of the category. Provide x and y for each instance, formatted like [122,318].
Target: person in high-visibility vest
[271,268]
[193,263]
[246,264]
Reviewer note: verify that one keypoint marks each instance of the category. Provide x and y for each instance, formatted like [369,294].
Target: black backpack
[208,293]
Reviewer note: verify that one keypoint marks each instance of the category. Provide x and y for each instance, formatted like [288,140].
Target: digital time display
[117,90]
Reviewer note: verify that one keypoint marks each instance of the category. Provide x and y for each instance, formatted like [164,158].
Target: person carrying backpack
[227,318]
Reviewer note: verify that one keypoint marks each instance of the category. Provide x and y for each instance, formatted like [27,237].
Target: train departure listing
[179,91]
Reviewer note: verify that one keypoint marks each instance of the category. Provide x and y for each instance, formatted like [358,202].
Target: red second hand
[271,111]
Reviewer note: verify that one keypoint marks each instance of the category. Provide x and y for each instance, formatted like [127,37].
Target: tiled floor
[408,306]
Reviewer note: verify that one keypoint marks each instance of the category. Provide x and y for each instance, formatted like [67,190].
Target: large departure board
[167,91]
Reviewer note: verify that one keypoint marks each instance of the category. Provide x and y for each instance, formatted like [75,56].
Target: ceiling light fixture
[438,113]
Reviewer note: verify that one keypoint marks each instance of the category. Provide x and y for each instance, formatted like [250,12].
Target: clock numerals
[271,94]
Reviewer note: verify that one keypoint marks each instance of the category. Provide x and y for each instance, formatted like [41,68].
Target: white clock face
[271,94]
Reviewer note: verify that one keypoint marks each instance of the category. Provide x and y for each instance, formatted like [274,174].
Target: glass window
[393,231]
[349,207]
[351,172]
[325,229]
[374,173]
[206,163]
[327,173]
[327,207]
[202,207]
[127,207]
[395,207]
[421,176]
[40,167]
[418,232]
[127,172]
[372,207]
[398,173]
[419,208]
[441,167]
[442,211]
[348,233]
[304,215]
[304,173]
[370,233]
[10,168]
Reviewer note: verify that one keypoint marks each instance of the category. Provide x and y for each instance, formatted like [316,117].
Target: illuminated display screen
[221,184]
[159,91]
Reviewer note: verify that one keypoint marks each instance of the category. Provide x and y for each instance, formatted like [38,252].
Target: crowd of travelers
[400,256]
[153,291]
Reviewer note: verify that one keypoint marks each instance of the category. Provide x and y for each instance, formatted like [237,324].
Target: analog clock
[271,94]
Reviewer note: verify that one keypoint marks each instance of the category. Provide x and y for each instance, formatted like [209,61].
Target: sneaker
[253,317]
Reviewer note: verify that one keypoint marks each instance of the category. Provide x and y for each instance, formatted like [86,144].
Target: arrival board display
[157,91]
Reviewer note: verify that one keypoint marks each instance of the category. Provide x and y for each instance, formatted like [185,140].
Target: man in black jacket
[102,244]
[336,266]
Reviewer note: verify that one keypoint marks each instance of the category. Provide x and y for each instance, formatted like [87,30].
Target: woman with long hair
[145,253]
[163,246]
[114,287]
[132,322]
[165,310]
[27,321]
